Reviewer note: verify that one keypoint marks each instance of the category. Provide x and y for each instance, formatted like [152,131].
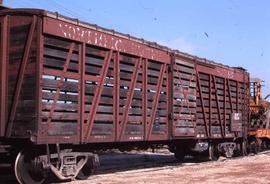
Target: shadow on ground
[116,162]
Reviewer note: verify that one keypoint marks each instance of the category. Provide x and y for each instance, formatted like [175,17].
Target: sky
[232,32]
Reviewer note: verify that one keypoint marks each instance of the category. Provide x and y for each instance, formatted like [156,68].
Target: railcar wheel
[28,169]
[213,155]
[255,147]
[244,148]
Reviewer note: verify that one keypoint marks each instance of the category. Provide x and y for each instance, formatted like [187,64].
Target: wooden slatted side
[60,82]
[219,98]
[184,98]
[121,108]
[118,96]
[157,73]
[95,59]
[21,69]
[131,93]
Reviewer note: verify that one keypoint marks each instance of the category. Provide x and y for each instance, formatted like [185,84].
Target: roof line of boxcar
[58,16]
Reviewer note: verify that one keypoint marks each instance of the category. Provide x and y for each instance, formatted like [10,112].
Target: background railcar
[69,85]
[210,107]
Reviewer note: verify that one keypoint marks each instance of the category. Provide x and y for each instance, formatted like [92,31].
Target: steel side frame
[145,81]
[3,74]
[116,96]
[82,52]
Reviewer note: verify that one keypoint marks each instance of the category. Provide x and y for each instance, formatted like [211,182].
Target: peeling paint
[226,73]
[74,32]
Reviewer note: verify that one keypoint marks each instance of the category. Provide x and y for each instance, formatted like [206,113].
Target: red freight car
[69,84]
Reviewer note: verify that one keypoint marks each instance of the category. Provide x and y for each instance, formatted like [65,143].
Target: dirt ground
[248,170]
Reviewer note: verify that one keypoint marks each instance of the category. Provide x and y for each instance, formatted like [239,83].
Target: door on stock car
[184,99]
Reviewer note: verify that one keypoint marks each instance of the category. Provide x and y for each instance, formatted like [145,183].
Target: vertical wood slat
[21,76]
[60,83]
[156,100]
[97,95]
[130,94]
[116,96]
[3,74]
